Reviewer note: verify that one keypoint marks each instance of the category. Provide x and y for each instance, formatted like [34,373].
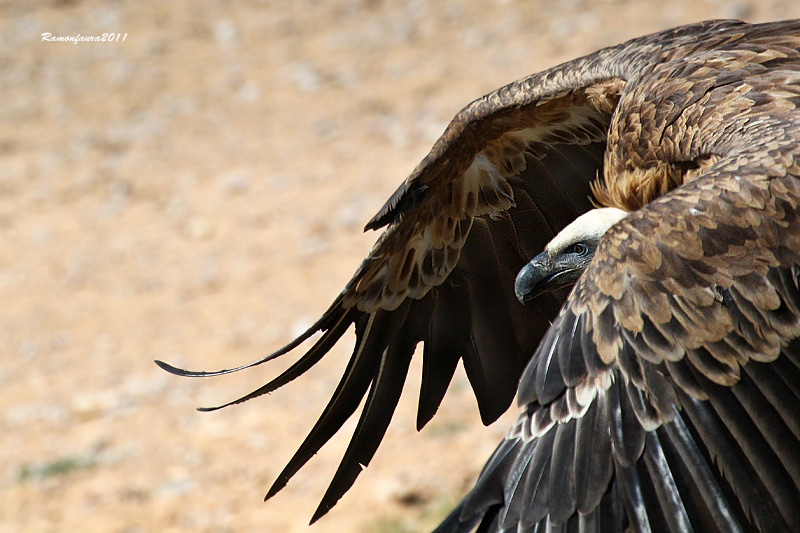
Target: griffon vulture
[665,395]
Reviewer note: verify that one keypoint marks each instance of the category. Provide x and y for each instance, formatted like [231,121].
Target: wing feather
[712,432]
[537,486]
[562,474]
[445,345]
[380,405]
[593,456]
[492,334]
[508,516]
[343,403]
[665,486]
[711,505]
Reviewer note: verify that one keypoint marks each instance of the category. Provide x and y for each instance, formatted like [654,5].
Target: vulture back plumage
[665,395]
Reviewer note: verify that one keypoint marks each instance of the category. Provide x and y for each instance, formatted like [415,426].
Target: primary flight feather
[665,394]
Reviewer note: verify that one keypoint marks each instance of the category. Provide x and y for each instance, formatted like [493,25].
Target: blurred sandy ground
[195,194]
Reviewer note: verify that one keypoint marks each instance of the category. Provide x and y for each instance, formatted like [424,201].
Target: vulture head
[566,256]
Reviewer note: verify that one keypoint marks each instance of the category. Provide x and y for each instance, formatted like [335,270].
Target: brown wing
[443,274]
[510,171]
[666,395]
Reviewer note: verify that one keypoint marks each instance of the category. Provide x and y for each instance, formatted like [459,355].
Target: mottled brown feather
[687,301]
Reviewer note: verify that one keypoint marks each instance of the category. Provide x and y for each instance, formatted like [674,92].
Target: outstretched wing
[510,171]
[666,395]
[494,190]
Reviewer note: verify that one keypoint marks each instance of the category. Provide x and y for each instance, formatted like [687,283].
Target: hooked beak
[543,274]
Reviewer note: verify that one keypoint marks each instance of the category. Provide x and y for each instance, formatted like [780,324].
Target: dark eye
[579,249]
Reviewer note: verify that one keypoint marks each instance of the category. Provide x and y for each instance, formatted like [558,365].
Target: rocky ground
[196,193]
